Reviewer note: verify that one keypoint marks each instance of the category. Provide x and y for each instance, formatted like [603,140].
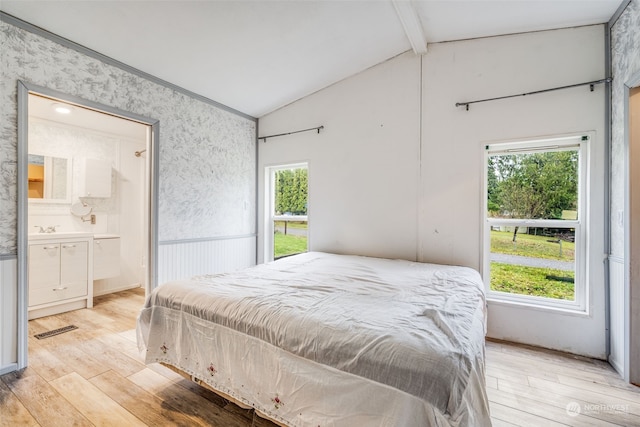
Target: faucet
[49,229]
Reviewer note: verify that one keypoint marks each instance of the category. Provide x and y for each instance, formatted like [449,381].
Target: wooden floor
[95,376]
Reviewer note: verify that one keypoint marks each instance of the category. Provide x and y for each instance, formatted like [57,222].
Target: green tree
[493,199]
[532,185]
[291,191]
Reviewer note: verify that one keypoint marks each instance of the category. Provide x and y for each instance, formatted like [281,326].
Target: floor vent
[55,332]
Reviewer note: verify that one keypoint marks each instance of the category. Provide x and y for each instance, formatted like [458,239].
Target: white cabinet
[60,271]
[96,178]
[106,257]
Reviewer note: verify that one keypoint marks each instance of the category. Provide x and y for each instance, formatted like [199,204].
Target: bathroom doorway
[67,146]
[87,177]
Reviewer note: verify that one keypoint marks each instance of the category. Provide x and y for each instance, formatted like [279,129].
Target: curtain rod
[291,133]
[591,84]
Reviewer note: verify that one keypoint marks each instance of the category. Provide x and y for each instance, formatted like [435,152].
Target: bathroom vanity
[62,266]
[106,256]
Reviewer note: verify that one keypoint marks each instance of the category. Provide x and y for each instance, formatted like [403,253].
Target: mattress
[321,339]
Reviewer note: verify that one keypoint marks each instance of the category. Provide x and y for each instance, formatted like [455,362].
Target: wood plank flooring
[94,376]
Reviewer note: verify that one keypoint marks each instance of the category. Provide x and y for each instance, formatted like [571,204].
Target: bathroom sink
[59,235]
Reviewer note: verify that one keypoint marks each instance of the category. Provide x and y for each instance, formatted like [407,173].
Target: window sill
[570,311]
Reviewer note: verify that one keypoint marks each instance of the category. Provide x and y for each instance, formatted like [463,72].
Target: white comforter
[323,339]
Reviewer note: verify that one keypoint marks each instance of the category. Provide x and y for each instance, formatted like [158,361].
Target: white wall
[129,221]
[363,167]
[182,260]
[454,140]
[617,314]
[397,172]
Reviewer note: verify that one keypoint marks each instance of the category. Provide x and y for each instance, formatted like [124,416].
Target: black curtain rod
[591,84]
[291,133]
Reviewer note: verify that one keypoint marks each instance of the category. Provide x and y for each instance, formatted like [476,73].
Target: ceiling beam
[411,23]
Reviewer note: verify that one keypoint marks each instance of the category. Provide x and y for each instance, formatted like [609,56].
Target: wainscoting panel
[8,313]
[616,304]
[184,259]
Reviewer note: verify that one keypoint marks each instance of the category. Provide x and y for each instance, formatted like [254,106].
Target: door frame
[631,282]
[24,89]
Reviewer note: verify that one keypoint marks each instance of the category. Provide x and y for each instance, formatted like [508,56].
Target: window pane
[291,192]
[533,261]
[290,237]
[540,185]
[290,226]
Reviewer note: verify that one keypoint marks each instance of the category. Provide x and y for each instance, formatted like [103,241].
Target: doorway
[86,173]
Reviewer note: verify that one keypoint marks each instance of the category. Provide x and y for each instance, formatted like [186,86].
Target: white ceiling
[44,108]
[257,56]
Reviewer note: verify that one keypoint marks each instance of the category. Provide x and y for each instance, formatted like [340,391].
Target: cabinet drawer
[56,293]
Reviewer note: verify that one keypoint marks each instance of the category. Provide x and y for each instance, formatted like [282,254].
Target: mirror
[49,179]
[81,209]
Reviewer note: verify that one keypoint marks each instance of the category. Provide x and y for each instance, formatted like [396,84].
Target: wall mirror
[49,179]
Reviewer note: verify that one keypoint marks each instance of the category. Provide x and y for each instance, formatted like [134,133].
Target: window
[287,225]
[535,222]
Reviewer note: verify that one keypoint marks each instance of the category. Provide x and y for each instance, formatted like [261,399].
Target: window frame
[269,205]
[578,142]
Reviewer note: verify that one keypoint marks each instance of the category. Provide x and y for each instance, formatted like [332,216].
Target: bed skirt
[282,387]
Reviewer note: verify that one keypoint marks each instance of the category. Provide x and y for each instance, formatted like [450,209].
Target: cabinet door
[44,266]
[96,180]
[74,258]
[106,258]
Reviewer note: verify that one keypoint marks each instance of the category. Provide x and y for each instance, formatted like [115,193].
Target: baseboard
[57,308]
[619,369]
[8,368]
[118,289]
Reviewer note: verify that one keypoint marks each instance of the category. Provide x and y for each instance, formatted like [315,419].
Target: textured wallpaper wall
[625,57]
[207,154]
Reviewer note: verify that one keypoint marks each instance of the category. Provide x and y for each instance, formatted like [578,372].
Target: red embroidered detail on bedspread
[277,403]
[211,369]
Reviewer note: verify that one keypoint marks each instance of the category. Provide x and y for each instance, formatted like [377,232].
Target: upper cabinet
[95,178]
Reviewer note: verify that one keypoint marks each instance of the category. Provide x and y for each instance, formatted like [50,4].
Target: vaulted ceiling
[257,56]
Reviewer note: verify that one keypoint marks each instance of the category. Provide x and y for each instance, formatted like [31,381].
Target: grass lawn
[288,244]
[531,246]
[522,280]
[535,281]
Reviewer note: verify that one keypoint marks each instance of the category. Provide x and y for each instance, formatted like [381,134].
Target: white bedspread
[320,339]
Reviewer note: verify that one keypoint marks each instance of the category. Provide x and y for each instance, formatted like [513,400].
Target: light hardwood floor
[95,376]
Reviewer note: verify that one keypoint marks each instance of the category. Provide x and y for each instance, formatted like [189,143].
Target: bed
[320,339]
